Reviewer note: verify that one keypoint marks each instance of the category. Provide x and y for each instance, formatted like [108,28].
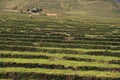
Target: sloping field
[59,48]
[80,7]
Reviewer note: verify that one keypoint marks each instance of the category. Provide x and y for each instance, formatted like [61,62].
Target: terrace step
[40,73]
[60,45]
[62,64]
[54,66]
[72,57]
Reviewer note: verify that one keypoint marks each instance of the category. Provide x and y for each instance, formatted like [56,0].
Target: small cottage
[34,10]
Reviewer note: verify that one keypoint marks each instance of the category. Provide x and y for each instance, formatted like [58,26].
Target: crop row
[43,74]
[114,43]
[54,66]
[63,38]
[61,50]
[66,63]
[74,57]
[60,45]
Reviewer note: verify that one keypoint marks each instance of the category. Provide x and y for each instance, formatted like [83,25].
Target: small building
[34,10]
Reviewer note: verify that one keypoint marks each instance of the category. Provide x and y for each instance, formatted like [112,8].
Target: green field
[59,48]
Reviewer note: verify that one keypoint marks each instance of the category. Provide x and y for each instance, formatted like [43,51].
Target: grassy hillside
[59,48]
[83,7]
[82,45]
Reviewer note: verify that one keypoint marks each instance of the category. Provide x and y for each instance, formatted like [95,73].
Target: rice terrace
[59,39]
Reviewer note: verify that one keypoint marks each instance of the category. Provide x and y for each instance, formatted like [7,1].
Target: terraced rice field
[52,49]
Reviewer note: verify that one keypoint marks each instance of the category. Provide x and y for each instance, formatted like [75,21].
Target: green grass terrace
[59,48]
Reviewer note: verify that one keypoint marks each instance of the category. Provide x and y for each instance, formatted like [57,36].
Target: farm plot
[52,49]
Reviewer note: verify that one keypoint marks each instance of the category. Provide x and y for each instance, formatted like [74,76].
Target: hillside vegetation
[59,48]
[83,44]
[83,7]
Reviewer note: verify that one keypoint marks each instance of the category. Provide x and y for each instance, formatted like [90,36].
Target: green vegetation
[72,7]
[61,72]
[59,48]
